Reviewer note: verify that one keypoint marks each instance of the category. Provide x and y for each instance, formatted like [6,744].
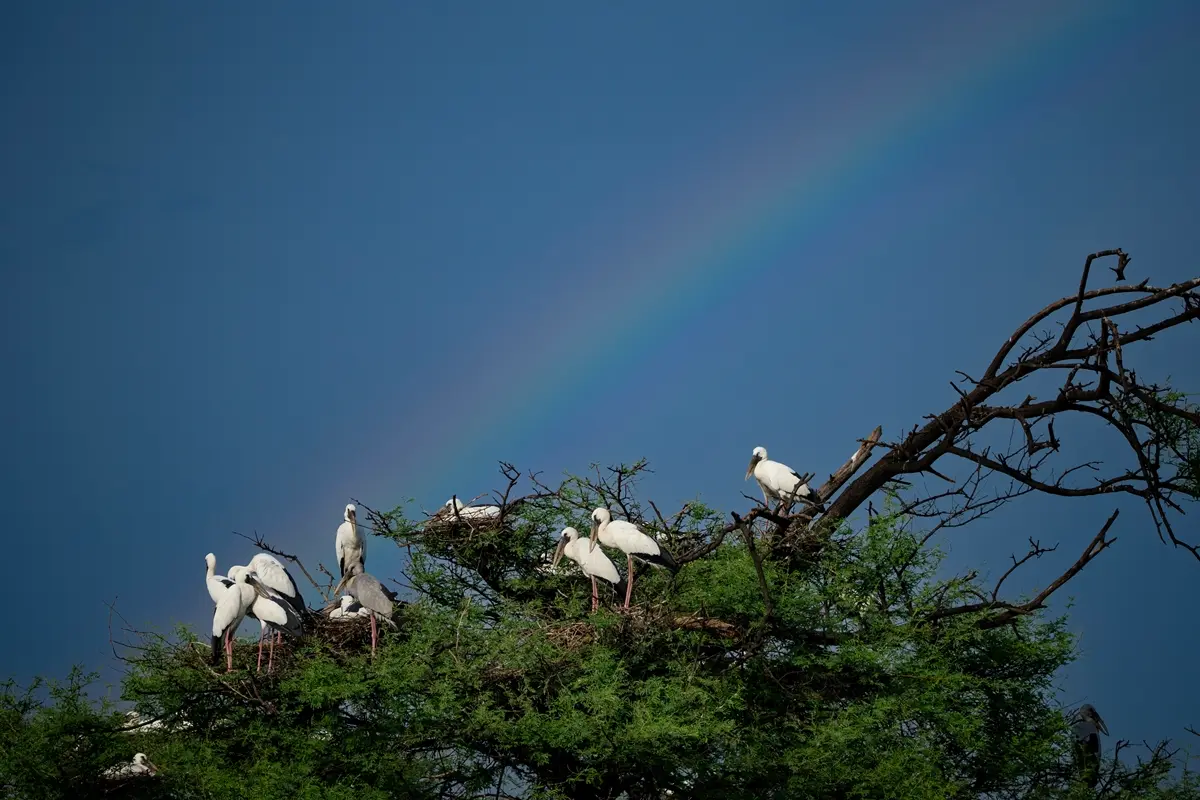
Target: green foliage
[839,678]
[1175,424]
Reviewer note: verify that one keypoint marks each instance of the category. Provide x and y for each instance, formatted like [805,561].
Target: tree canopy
[796,653]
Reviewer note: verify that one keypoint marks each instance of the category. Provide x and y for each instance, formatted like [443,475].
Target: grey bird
[1087,728]
[369,592]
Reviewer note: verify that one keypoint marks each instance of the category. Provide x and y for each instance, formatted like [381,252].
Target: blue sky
[258,261]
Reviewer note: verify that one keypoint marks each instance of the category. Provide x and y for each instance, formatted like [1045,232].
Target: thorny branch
[1098,385]
[261,544]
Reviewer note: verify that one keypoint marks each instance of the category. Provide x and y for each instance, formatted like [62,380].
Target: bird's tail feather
[664,559]
[621,587]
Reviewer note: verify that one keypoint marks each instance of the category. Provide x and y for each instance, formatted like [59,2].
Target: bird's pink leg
[595,596]
[261,634]
[229,652]
[271,657]
[374,635]
[629,587]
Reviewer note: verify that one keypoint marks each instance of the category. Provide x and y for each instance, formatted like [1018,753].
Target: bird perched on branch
[141,765]
[373,596]
[273,612]
[350,545]
[626,537]
[593,563]
[231,609]
[779,482]
[274,575]
[1087,728]
[345,608]
[453,511]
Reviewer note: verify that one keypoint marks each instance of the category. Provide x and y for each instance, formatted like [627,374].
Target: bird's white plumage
[349,608]
[776,480]
[453,509]
[273,574]
[350,545]
[272,609]
[141,765]
[217,584]
[593,563]
[233,604]
[622,535]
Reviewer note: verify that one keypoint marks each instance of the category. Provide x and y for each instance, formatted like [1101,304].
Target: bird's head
[350,513]
[600,517]
[454,504]
[757,455]
[143,761]
[236,573]
[568,535]
[210,561]
[1088,712]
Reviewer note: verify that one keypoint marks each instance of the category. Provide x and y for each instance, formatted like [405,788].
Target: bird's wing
[368,591]
[598,564]
[631,540]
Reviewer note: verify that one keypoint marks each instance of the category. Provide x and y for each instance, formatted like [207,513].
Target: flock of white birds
[264,590]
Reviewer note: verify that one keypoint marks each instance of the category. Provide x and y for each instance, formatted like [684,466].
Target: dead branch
[1112,392]
[261,544]
[1010,611]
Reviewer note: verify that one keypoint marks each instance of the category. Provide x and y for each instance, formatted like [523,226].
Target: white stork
[231,609]
[626,537]
[592,562]
[453,510]
[779,482]
[141,765]
[373,596]
[217,584]
[346,607]
[272,610]
[350,545]
[1087,728]
[273,574]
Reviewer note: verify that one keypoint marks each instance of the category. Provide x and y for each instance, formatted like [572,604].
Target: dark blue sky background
[260,260]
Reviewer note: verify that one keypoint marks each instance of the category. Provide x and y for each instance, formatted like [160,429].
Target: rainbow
[730,209]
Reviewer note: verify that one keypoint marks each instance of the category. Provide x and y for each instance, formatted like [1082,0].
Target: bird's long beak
[153,768]
[558,552]
[1100,724]
[595,535]
[750,469]
[353,517]
[252,579]
[337,591]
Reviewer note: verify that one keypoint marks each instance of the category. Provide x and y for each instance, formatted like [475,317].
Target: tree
[795,654]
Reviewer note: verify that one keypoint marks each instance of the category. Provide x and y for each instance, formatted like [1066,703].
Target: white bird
[345,608]
[779,482]
[230,611]
[626,537]
[141,765]
[373,596]
[350,545]
[272,610]
[273,574]
[274,613]
[217,584]
[592,562]
[545,565]
[453,510]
